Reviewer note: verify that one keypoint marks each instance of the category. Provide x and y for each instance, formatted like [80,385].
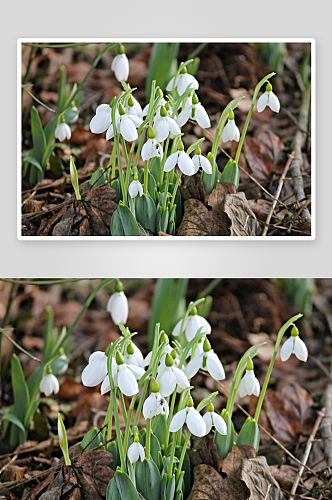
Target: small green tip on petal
[181,146]
[231,115]
[190,401]
[131,102]
[122,110]
[210,408]
[250,364]
[195,99]
[130,349]
[136,438]
[151,133]
[173,354]
[121,49]
[193,312]
[268,87]
[154,386]
[184,70]
[49,370]
[119,286]
[295,331]
[206,346]
[198,151]
[163,112]
[119,358]
[169,360]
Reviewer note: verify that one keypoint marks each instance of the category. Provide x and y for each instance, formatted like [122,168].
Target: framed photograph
[174,138]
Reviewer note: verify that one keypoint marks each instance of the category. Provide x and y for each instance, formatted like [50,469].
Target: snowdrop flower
[133,355]
[63,358]
[201,161]
[207,361]
[124,376]
[230,131]
[181,159]
[135,188]
[102,120]
[191,417]
[117,305]
[169,376]
[162,102]
[49,383]
[120,65]
[196,112]
[136,451]
[268,99]
[96,370]
[191,326]
[126,125]
[211,418]
[155,404]
[249,384]
[294,345]
[182,82]
[133,107]
[62,131]
[164,125]
[152,147]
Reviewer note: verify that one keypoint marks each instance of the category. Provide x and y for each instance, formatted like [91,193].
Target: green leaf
[154,445]
[113,448]
[41,425]
[56,166]
[92,439]
[210,180]
[21,400]
[231,173]
[195,145]
[224,443]
[249,434]
[123,222]
[148,479]
[170,489]
[98,178]
[162,64]
[38,136]
[121,487]
[146,212]
[206,400]
[14,420]
[49,130]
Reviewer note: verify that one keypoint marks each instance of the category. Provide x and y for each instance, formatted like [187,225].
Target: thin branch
[18,346]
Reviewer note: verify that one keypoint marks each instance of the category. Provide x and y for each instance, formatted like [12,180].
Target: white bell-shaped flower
[249,384]
[155,404]
[135,188]
[161,102]
[169,376]
[133,355]
[191,326]
[201,161]
[152,147]
[167,350]
[124,376]
[294,345]
[207,361]
[126,125]
[196,112]
[49,383]
[230,131]
[120,65]
[181,159]
[117,305]
[211,418]
[62,131]
[96,371]
[63,358]
[182,82]
[102,119]
[136,451]
[133,107]
[268,99]
[191,417]
[165,125]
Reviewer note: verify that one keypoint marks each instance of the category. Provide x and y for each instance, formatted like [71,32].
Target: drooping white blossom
[169,376]
[164,125]
[62,131]
[191,326]
[126,125]
[120,65]
[191,417]
[201,161]
[135,188]
[207,361]
[268,99]
[117,305]
[294,345]
[96,370]
[183,80]
[182,159]
[196,112]
[249,384]
[102,119]
[49,384]
[211,418]
[155,404]
[230,131]
[136,451]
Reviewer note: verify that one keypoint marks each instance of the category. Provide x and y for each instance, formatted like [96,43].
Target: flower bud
[193,312]
[130,349]
[119,286]
[169,360]
[190,402]
[268,87]
[250,364]
[122,110]
[119,358]
[154,386]
[295,331]
[121,49]
[210,408]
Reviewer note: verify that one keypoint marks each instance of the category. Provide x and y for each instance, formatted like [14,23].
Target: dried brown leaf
[256,474]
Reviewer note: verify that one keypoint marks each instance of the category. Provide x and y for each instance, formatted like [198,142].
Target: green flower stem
[148,438]
[118,430]
[140,145]
[174,191]
[125,152]
[166,190]
[123,407]
[112,163]
[121,175]
[108,420]
[267,377]
[257,89]
[164,160]
[184,449]
[94,64]
[140,403]
[171,410]
[170,465]
[146,174]
[128,428]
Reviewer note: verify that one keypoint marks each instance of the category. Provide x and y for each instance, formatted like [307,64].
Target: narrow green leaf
[14,420]
[146,212]
[123,222]
[148,479]
[38,136]
[121,488]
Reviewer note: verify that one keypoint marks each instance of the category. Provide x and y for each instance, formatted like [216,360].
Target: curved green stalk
[184,449]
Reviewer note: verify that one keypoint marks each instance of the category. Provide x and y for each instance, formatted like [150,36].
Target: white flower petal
[257,388]
[117,306]
[249,382]
[133,452]
[207,417]
[127,382]
[242,390]
[224,135]
[62,132]
[173,126]
[137,371]
[96,355]
[161,129]
[274,103]
[120,66]
[177,328]
[184,116]
[137,121]
[110,132]
[170,164]
[105,386]
[195,423]
[102,120]
[201,116]
[133,189]
[300,349]
[287,349]
[237,134]
[49,384]
[167,382]
[141,452]
[128,129]
[147,359]
[181,379]
[170,84]
[95,372]
[205,164]
[262,102]
[193,366]
[186,164]
[178,420]
[150,406]
[219,423]
[147,150]
[196,162]
[140,189]
[214,366]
